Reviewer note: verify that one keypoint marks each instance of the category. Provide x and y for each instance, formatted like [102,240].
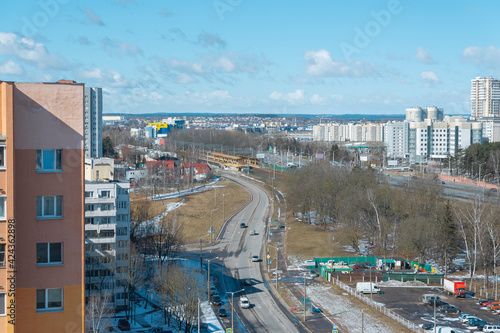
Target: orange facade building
[41,207]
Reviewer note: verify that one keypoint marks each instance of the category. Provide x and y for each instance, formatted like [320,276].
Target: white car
[244,303]
[255,259]
[465,319]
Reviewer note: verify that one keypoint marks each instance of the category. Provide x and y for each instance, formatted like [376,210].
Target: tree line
[413,221]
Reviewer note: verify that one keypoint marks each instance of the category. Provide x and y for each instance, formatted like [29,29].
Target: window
[49,299]
[49,253]
[90,233]
[106,206]
[2,157]
[121,231]
[49,160]
[89,220]
[121,204]
[3,304]
[105,220]
[105,194]
[2,255]
[89,194]
[106,233]
[3,200]
[89,207]
[49,206]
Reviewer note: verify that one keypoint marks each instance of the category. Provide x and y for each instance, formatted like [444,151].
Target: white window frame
[46,307]
[3,304]
[57,202]
[3,156]
[50,263]
[57,160]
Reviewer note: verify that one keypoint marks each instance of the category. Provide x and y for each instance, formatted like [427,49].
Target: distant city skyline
[258,57]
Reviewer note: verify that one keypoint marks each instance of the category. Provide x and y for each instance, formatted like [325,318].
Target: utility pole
[435,314]
[232,307]
[198,315]
[362,321]
[305,295]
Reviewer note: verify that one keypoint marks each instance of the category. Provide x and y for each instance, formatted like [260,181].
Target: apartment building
[417,113]
[93,122]
[41,207]
[485,98]
[107,240]
[348,132]
[429,139]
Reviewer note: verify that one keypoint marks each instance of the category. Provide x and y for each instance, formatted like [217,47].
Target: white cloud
[423,56]
[296,97]
[336,97]
[488,56]
[30,51]
[119,48]
[155,96]
[320,63]
[224,63]
[317,100]
[210,40]
[183,78]
[429,78]
[94,18]
[11,68]
[110,78]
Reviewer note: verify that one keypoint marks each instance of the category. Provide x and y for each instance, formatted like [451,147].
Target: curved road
[265,315]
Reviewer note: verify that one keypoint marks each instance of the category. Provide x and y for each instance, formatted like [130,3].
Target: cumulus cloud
[487,56]
[11,68]
[429,78]
[108,78]
[320,63]
[119,48]
[30,51]
[423,56]
[296,97]
[210,40]
[317,100]
[93,18]
[183,78]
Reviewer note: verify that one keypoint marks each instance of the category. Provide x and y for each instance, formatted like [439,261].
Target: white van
[491,328]
[367,288]
[429,297]
[441,329]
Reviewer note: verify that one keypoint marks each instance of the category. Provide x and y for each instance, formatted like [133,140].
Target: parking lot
[406,301]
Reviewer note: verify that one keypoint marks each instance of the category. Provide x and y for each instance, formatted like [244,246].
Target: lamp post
[201,253]
[208,278]
[232,307]
[305,294]
[211,226]
[198,315]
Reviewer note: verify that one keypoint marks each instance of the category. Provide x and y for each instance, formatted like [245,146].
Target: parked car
[449,309]
[255,259]
[427,327]
[213,290]
[462,317]
[439,302]
[216,300]
[222,312]
[123,325]
[494,305]
[491,328]
[485,300]
[244,303]
[466,319]
[476,322]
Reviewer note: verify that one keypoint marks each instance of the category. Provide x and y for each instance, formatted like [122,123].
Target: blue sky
[242,56]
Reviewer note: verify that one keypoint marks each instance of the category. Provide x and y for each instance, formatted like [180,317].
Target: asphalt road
[236,247]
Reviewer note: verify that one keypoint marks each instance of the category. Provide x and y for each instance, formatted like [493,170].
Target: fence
[380,307]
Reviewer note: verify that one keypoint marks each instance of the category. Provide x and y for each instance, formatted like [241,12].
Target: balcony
[98,212]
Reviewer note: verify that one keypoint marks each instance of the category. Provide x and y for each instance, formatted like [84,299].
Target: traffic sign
[268,256]
[228,330]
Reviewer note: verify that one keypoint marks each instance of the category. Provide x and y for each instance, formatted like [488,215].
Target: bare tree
[494,160]
[98,312]
[470,222]
[136,276]
[140,211]
[166,239]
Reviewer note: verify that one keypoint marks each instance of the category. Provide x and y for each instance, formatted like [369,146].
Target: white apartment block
[491,131]
[348,132]
[107,240]
[420,114]
[431,139]
[485,98]
[93,122]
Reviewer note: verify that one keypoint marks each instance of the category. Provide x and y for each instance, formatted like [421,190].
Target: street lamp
[211,226]
[479,165]
[208,278]
[232,307]
[201,253]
